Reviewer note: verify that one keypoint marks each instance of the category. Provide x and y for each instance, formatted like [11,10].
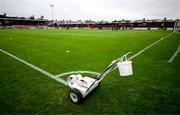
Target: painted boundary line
[76,72]
[56,77]
[36,68]
[149,46]
[146,48]
[174,55]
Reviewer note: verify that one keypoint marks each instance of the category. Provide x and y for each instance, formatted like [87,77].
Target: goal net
[177,25]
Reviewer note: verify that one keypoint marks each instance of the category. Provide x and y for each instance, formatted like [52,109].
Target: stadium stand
[22,22]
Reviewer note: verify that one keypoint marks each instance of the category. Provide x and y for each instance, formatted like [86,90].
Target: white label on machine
[125,68]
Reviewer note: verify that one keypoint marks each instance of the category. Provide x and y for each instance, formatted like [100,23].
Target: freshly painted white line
[56,77]
[76,72]
[61,81]
[174,55]
[149,46]
[36,68]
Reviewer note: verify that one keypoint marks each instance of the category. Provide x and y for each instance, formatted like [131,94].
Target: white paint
[76,72]
[174,55]
[67,51]
[149,46]
[35,67]
[56,77]
[146,48]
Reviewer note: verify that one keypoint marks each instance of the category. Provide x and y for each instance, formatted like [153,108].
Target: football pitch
[34,65]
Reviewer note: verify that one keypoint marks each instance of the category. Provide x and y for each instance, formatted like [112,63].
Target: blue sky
[93,9]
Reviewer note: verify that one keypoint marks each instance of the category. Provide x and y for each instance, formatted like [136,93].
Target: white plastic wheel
[75,95]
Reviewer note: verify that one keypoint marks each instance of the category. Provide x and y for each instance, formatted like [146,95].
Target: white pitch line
[76,72]
[174,55]
[56,77]
[143,50]
[149,46]
[36,68]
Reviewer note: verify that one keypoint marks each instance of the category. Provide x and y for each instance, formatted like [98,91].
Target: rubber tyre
[75,95]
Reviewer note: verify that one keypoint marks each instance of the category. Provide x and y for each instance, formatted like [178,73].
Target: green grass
[154,87]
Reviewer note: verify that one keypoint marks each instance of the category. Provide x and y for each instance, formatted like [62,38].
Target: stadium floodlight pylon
[51,5]
[81,86]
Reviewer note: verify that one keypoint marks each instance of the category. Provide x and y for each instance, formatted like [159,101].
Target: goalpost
[177,25]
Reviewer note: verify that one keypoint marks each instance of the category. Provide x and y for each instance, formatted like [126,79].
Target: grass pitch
[154,87]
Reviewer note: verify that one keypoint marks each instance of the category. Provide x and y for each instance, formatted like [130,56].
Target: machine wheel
[75,95]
